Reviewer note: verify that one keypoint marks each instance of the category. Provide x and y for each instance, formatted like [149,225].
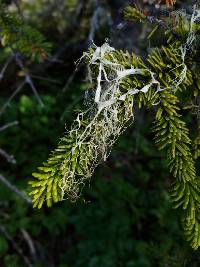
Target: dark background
[124,217]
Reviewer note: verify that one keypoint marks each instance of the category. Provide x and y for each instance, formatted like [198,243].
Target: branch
[8,125]
[30,242]
[69,108]
[158,22]
[21,85]
[94,22]
[28,78]
[70,79]
[5,67]
[15,190]
[15,245]
[45,79]
[8,157]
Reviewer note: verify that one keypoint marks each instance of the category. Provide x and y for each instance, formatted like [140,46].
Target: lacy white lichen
[106,123]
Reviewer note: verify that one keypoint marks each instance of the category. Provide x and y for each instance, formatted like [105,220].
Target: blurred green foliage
[123,218]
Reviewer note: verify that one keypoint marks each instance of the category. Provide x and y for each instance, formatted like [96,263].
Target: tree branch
[15,246]
[5,67]
[15,190]
[8,157]
[28,79]
[8,125]
[21,85]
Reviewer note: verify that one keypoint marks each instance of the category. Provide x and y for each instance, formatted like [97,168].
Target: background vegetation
[124,217]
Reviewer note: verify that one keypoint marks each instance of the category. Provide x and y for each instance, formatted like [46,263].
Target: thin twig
[159,22]
[21,85]
[15,190]
[28,78]
[5,67]
[70,79]
[94,23]
[69,108]
[79,9]
[8,125]
[30,243]
[30,82]
[8,157]
[15,245]
[45,79]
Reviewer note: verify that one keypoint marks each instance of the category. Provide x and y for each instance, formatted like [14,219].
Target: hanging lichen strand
[120,79]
